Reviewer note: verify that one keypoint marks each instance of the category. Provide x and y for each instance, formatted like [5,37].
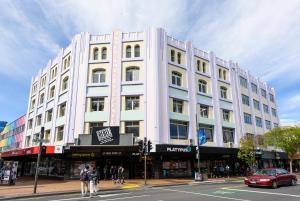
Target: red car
[272,177]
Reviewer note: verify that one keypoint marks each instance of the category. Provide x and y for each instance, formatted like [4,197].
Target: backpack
[84,176]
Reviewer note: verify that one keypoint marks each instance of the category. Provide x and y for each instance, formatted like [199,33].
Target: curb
[52,194]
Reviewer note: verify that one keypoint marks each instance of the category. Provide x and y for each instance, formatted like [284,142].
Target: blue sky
[262,36]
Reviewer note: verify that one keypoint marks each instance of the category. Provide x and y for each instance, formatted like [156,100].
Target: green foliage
[247,152]
[285,138]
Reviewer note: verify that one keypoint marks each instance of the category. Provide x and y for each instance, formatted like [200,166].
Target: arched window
[223,91]
[99,76]
[179,58]
[220,73]
[104,53]
[42,96]
[65,83]
[172,55]
[224,74]
[128,51]
[202,86]
[176,78]
[95,53]
[203,67]
[137,51]
[198,65]
[132,73]
[52,92]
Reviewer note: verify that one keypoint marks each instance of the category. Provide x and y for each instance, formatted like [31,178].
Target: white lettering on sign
[178,149]
[104,136]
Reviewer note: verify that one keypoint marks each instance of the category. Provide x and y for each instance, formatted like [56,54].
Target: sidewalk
[24,186]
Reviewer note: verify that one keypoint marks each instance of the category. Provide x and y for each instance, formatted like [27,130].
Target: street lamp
[40,141]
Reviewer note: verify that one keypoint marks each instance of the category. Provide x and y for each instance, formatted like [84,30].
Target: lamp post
[40,140]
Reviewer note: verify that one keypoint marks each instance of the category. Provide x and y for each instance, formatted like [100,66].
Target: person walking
[105,171]
[93,178]
[114,173]
[84,180]
[121,175]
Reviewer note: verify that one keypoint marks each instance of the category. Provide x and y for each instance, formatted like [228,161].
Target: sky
[262,36]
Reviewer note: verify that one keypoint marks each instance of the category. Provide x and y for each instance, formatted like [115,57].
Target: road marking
[262,192]
[223,192]
[239,186]
[203,194]
[123,198]
[79,197]
[110,195]
[130,186]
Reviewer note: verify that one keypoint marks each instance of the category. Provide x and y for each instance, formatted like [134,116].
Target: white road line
[208,195]
[262,192]
[110,195]
[123,198]
[79,197]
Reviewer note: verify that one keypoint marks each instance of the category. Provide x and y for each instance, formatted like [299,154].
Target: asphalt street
[203,192]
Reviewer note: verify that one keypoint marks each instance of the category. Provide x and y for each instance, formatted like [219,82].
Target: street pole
[198,148]
[145,162]
[38,159]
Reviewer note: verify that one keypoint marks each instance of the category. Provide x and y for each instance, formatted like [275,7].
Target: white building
[150,84]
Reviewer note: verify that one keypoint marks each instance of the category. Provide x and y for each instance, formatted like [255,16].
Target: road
[203,192]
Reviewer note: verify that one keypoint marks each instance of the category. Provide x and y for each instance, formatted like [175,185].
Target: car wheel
[293,182]
[274,184]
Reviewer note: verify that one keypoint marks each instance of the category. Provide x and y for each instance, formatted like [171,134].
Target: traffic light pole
[38,159]
[198,150]
[145,163]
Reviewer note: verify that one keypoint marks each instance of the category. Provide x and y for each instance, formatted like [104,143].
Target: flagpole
[198,147]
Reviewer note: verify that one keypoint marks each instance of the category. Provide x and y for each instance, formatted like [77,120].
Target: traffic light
[149,146]
[141,146]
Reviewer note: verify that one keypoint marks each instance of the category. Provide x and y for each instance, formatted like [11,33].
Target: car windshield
[265,172]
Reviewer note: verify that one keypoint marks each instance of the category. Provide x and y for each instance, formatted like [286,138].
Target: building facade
[152,85]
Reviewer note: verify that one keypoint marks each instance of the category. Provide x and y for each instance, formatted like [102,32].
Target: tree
[285,138]
[247,151]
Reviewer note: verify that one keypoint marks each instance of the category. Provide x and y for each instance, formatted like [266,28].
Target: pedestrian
[84,180]
[113,172]
[93,178]
[105,171]
[121,175]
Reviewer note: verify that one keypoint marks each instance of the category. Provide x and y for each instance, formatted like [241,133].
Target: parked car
[272,177]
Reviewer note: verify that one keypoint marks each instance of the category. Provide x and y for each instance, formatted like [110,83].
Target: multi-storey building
[151,85]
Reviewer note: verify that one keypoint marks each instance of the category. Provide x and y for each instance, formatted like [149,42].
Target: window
[274,112]
[263,93]
[38,120]
[178,129]
[254,88]
[271,98]
[132,74]
[177,105]
[30,124]
[99,76]
[226,115]
[209,132]
[220,73]
[95,53]
[256,104]
[204,109]
[52,92]
[275,125]
[128,51]
[137,51]
[178,57]
[172,55]
[62,110]
[47,136]
[202,86]
[133,127]
[132,102]
[266,108]
[203,67]
[43,81]
[95,124]
[69,61]
[49,115]
[245,100]
[247,118]
[32,104]
[97,104]
[198,65]
[59,133]
[224,75]
[65,83]
[66,63]
[223,91]
[104,53]
[258,121]
[176,78]
[268,124]
[42,97]
[243,82]
[34,88]
[228,135]
[27,141]
[53,73]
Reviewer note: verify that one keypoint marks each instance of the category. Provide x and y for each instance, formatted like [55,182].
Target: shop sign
[112,153]
[82,155]
[105,135]
[174,148]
